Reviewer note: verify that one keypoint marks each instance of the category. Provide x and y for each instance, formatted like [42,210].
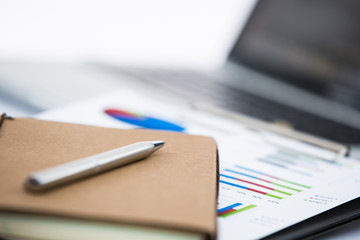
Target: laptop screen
[312,44]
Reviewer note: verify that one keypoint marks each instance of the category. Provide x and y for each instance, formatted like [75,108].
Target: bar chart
[249,181]
[228,208]
[297,163]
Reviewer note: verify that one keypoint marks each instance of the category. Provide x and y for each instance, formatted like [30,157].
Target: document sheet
[265,186]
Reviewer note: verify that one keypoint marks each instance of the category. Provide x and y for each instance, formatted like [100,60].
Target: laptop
[295,63]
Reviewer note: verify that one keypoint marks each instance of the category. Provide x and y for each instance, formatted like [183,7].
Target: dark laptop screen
[312,44]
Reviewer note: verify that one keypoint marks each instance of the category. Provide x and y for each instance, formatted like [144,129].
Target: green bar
[286,187]
[282,192]
[302,156]
[237,211]
[288,152]
[274,196]
[298,184]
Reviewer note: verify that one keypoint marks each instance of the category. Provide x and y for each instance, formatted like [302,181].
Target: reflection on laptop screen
[312,44]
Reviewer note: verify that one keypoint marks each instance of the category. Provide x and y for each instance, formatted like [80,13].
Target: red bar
[225,212]
[254,190]
[272,176]
[255,184]
[264,180]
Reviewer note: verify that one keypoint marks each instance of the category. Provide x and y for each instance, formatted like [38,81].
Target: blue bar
[251,170]
[284,166]
[235,185]
[229,207]
[246,175]
[282,159]
[223,175]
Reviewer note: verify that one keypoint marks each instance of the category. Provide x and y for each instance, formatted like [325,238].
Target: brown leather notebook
[171,194]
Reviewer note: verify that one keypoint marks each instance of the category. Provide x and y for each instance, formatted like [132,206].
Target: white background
[190,33]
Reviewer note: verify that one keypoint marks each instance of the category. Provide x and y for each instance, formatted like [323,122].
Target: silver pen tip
[158,144]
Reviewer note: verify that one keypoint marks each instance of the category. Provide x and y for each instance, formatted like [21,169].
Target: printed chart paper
[264,187]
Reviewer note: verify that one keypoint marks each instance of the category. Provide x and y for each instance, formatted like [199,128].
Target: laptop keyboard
[198,87]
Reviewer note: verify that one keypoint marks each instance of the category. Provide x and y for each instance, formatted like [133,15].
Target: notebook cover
[174,188]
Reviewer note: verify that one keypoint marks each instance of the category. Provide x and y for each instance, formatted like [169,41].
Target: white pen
[88,166]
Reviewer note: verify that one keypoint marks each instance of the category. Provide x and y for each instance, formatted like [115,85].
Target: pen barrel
[89,166]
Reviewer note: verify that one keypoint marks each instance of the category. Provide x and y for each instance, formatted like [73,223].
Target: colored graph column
[143,121]
[271,176]
[256,184]
[250,189]
[233,209]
